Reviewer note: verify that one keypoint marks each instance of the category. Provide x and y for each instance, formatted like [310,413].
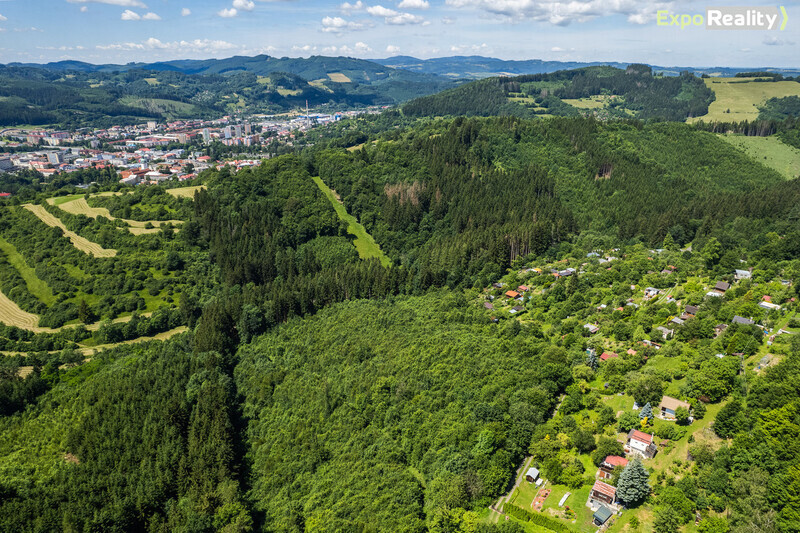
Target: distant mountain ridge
[374,71]
[472,67]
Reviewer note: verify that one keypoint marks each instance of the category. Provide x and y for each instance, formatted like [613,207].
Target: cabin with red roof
[640,443]
[602,493]
[608,465]
[512,294]
[608,355]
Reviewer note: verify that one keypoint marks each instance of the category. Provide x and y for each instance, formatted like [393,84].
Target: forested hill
[634,91]
[315,390]
[458,199]
[72,95]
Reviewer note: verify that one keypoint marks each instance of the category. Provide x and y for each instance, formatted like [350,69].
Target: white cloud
[197,45]
[84,9]
[339,25]
[380,11]
[347,7]
[357,49]
[121,3]
[774,41]
[133,15]
[228,13]
[448,20]
[3,19]
[473,48]
[414,4]
[390,16]
[185,12]
[557,49]
[304,48]
[565,12]
[392,49]
[244,5]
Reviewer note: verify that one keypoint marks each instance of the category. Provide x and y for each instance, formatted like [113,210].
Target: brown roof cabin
[722,286]
[512,294]
[669,406]
[609,464]
[488,305]
[603,492]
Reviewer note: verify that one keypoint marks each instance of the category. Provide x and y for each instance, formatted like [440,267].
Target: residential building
[669,406]
[606,470]
[640,443]
[602,493]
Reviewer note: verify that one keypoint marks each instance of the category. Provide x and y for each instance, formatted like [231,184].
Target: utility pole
[308,117]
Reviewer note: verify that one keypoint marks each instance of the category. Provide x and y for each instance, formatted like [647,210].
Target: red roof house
[608,355]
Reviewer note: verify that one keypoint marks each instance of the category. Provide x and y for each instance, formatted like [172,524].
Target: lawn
[593,102]
[36,286]
[737,99]
[769,151]
[64,199]
[364,243]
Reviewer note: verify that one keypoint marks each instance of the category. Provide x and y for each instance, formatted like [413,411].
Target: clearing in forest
[185,192]
[36,286]
[738,99]
[82,244]
[338,77]
[79,206]
[12,315]
[364,243]
[769,151]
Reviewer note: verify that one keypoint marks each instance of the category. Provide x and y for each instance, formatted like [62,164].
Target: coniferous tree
[633,486]
[646,412]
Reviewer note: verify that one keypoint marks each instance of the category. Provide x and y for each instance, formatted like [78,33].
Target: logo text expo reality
[728,18]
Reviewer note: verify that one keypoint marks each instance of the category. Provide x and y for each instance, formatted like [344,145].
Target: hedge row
[536,518]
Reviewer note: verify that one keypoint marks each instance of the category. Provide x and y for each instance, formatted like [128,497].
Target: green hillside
[638,93]
[512,286]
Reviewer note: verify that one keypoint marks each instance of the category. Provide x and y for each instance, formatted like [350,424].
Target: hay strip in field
[79,206]
[82,244]
[185,192]
[12,315]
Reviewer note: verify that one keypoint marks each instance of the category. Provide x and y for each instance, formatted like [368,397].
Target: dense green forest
[639,92]
[309,389]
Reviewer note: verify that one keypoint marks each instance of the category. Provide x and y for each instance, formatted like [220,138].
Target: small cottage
[603,493]
[668,407]
[532,475]
[640,443]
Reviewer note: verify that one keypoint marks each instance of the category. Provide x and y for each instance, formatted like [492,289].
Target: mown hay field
[81,243]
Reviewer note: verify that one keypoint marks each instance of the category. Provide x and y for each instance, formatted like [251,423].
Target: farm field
[364,243]
[737,99]
[82,244]
[338,77]
[769,151]
[592,102]
[77,205]
[185,192]
[91,350]
[12,315]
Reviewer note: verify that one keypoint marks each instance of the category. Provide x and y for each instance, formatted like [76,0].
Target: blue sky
[581,30]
